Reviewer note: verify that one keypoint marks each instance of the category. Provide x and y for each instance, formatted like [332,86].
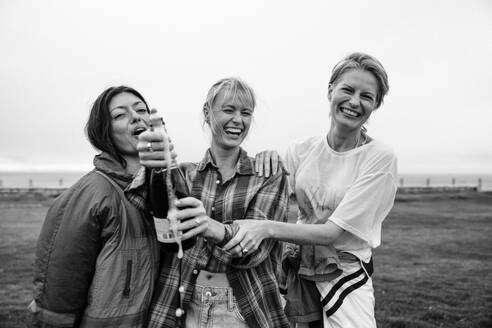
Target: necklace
[357,141]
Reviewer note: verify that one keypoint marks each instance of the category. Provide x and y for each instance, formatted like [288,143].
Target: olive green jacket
[97,255]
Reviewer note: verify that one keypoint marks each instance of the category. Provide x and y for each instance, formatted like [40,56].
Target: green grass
[20,224]
[433,268]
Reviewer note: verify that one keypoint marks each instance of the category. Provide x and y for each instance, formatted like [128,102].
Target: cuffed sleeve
[270,203]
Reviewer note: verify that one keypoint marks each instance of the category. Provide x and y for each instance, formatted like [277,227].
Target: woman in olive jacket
[97,255]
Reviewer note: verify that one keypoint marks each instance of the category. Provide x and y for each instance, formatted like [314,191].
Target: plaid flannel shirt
[252,277]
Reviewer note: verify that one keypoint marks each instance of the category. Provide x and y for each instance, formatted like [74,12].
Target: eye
[347,90]
[228,110]
[368,97]
[247,112]
[142,110]
[118,116]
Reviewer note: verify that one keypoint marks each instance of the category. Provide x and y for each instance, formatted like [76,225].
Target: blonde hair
[233,87]
[365,62]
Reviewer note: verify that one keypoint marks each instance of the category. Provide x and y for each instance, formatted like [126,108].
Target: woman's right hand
[267,161]
[152,146]
[194,219]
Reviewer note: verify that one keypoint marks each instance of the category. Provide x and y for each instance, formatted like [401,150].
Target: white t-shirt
[354,189]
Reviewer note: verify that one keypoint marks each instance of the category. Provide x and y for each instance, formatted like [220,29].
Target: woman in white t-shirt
[345,185]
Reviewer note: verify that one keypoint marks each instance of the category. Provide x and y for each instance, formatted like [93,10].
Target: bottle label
[164,231]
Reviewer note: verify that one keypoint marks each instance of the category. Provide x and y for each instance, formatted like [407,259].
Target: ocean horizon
[64,179]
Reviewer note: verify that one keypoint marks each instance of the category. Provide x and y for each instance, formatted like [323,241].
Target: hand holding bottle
[195,221]
[153,143]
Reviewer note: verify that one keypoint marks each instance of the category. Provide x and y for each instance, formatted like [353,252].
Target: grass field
[434,268]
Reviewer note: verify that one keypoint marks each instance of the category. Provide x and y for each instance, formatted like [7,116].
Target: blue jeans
[213,307]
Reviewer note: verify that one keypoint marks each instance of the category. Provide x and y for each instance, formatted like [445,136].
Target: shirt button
[195,271]
[213,208]
[217,182]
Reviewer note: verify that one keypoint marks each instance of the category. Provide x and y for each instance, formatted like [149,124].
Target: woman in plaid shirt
[219,289]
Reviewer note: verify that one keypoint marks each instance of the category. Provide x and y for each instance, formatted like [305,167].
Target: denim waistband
[210,294]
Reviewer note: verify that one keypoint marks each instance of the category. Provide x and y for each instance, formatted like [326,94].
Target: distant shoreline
[64,179]
[404,194]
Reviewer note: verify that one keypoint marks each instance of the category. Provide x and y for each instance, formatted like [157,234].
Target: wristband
[228,234]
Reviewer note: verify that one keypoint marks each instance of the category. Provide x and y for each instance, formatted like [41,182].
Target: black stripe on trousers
[343,294]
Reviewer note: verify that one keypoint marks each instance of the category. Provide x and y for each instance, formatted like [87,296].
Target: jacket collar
[107,164]
[244,165]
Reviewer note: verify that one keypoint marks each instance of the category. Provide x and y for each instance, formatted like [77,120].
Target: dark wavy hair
[98,127]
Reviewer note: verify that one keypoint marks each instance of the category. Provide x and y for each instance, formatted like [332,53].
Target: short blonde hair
[235,87]
[365,62]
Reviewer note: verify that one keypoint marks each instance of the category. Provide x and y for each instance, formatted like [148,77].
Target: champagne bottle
[159,205]
[165,187]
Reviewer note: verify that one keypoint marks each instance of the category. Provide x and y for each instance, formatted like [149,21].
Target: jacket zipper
[126,291]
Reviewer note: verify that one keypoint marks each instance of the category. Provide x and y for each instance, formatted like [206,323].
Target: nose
[135,116]
[236,118]
[354,100]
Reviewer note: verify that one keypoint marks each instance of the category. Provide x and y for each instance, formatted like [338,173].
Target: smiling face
[129,118]
[229,119]
[353,98]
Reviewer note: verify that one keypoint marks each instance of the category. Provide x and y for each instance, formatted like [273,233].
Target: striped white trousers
[348,301]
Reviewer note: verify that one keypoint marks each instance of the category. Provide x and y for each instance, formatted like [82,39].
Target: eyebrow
[123,107]
[243,107]
[351,87]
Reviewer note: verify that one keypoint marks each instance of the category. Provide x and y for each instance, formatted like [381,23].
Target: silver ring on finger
[149,147]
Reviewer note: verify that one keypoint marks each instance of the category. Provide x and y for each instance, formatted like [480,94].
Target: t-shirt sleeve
[367,202]
[291,161]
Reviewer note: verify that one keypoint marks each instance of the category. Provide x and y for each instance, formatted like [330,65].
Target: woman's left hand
[249,237]
[267,162]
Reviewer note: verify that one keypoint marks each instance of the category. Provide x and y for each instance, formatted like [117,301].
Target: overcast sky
[56,57]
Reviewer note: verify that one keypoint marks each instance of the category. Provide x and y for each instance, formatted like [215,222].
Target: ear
[330,90]
[205,113]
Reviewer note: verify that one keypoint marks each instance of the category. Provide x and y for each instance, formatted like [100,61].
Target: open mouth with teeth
[349,112]
[236,132]
[138,130]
